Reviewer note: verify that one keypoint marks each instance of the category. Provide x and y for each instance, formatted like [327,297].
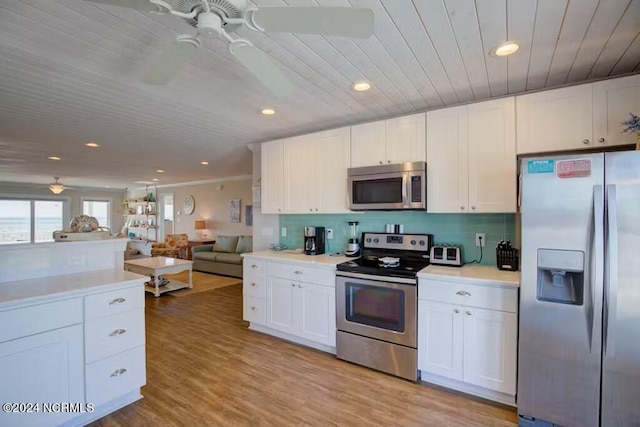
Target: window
[100,209]
[29,221]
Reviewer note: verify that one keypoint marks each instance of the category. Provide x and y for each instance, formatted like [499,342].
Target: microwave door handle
[405,190]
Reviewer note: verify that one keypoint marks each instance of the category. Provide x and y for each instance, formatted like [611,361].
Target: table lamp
[201,224]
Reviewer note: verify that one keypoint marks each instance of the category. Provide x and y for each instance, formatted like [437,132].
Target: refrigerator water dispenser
[561,276]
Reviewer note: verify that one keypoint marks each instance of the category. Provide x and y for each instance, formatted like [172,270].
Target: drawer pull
[297,272]
[117,332]
[253,284]
[463,293]
[254,266]
[468,313]
[117,301]
[253,308]
[118,372]
[456,311]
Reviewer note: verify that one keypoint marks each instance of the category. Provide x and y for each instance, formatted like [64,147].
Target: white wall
[74,197]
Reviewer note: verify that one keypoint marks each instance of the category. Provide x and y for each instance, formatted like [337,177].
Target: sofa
[222,257]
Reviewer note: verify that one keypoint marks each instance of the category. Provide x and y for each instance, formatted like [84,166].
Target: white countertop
[33,291]
[472,274]
[321,261]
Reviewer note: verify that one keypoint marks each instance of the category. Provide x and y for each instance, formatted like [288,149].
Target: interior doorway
[167,213]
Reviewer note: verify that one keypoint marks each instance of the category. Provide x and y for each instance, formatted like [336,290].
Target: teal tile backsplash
[454,229]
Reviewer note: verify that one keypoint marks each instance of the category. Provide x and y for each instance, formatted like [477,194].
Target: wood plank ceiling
[69,73]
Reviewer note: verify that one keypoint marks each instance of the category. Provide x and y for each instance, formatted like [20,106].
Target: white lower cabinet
[466,343]
[296,300]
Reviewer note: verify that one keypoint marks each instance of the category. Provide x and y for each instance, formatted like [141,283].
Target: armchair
[174,246]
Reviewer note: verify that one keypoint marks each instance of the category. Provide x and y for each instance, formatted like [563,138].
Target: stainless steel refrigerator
[579,330]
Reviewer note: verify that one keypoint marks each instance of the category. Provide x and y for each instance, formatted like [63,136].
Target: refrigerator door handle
[611,295]
[598,244]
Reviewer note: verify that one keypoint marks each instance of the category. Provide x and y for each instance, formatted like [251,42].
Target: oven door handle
[390,279]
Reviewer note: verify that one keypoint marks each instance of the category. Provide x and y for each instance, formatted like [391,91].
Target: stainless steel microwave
[388,187]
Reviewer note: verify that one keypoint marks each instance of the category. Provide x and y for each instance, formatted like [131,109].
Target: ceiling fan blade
[165,67]
[264,69]
[143,5]
[329,21]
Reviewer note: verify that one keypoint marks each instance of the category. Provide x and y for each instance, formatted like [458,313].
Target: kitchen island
[73,341]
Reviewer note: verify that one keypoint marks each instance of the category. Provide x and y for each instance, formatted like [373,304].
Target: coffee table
[158,265]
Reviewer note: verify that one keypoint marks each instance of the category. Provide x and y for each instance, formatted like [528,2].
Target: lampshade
[56,188]
[200,224]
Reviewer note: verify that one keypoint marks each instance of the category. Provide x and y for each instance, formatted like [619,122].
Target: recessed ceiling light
[92,144]
[361,86]
[505,49]
[54,158]
[160,171]
[155,179]
[268,111]
[107,186]
[204,163]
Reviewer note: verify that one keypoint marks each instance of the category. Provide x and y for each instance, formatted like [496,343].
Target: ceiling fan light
[56,188]
[505,49]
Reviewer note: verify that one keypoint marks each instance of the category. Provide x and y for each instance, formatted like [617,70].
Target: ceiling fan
[214,18]
[57,187]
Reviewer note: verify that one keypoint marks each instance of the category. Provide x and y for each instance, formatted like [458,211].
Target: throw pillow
[245,244]
[225,244]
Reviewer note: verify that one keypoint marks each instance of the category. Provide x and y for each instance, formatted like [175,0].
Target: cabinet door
[490,345]
[317,313]
[613,100]
[272,184]
[298,172]
[492,156]
[281,301]
[555,120]
[447,160]
[45,368]
[406,139]
[368,143]
[329,185]
[440,339]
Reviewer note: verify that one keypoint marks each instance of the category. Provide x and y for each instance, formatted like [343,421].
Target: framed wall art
[235,210]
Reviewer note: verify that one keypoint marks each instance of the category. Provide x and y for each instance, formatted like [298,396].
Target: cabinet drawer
[319,276]
[254,310]
[469,295]
[253,269]
[113,334]
[22,322]
[114,376]
[113,302]
[255,287]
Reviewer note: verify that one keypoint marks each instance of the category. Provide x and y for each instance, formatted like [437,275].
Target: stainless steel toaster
[446,255]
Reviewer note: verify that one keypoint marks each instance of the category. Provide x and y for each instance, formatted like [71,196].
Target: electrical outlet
[283,232]
[480,240]
[329,233]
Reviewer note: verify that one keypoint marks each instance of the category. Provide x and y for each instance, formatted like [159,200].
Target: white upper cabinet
[272,172]
[368,144]
[471,160]
[397,140]
[329,179]
[298,172]
[613,100]
[447,165]
[555,120]
[406,139]
[492,156]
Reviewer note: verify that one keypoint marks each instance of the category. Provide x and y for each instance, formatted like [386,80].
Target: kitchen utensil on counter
[507,256]
[353,247]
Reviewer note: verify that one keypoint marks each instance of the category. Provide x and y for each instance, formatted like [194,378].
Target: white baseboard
[496,396]
[292,338]
[105,409]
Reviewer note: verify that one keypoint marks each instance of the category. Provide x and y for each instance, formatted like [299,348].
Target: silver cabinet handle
[461,208]
[316,209]
[463,293]
[473,207]
[456,311]
[586,142]
[117,332]
[297,272]
[300,286]
[293,285]
[388,161]
[380,162]
[468,313]
[254,266]
[253,308]
[310,209]
[253,284]
[601,140]
[118,372]
[117,301]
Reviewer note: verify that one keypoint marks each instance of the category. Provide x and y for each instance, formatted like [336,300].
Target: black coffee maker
[313,240]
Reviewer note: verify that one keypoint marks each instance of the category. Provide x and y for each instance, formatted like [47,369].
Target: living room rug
[202,282]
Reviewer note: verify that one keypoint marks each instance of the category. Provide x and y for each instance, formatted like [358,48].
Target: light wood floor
[205,368]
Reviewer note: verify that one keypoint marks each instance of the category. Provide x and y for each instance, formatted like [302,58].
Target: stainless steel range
[376,303]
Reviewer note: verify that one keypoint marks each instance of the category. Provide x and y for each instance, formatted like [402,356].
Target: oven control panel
[407,242]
